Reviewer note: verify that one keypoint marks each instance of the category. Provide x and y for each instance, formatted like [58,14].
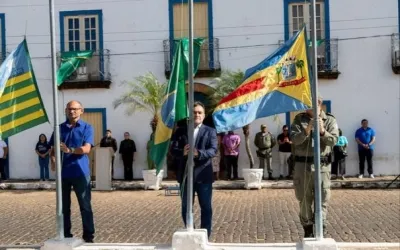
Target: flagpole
[316,135]
[189,193]
[59,213]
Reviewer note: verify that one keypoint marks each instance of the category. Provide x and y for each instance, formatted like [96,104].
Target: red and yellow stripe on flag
[279,84]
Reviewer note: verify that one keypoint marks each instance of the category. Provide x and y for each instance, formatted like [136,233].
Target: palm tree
[145,94]
[278,72]
[300,64]
[224,85]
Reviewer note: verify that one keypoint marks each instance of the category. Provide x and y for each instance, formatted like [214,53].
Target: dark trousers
[365,154]
[112,167]
[339,167]
[82,190]
[231,163]
[3,168]
[44,167]
[128,171]
[204,195]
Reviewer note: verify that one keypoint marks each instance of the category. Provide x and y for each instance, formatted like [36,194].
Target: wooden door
[94,118]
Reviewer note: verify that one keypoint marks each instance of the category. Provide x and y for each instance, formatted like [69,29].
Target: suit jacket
[206,144]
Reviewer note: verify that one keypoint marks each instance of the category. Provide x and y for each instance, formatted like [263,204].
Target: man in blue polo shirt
[76,141]
[365,138]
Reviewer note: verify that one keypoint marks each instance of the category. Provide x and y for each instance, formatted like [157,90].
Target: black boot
[308,231]
[270,176]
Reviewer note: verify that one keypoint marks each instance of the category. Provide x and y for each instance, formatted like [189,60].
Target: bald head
[73,102]
[74,110]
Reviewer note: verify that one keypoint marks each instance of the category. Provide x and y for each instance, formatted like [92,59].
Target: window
[326,107]
[300,13]
[81,30]
[82,33]
[202,27]
[2,38]
[181,20]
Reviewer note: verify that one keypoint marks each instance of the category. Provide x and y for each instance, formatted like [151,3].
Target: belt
[310,159]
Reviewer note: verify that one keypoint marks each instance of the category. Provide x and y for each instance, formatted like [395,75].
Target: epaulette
[300,114]
[329,114]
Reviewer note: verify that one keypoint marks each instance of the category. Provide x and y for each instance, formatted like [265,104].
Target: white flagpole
[316,135]
[189,193]
[59,213]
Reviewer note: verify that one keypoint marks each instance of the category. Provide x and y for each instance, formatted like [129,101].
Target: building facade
[358,62]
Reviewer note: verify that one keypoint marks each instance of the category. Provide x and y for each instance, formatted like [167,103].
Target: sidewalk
[351,182]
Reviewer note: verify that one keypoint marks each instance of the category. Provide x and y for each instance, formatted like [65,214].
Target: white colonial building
[358,64]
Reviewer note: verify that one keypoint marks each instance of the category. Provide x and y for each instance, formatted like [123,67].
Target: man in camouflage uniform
[265,141]
[303,179]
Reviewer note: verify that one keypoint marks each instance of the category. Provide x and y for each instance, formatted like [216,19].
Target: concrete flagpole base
[193,240]
[64,244]
[324,244]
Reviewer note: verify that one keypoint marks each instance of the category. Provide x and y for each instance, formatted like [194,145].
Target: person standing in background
[365,138]
[285,150]
[3,157]
[127,150]
[106,142]
[231,143]
[43,150]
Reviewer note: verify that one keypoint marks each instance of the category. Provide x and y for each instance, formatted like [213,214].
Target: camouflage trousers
[303,181]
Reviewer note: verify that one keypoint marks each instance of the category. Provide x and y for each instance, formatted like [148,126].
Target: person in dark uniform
[127,150]
[106,142]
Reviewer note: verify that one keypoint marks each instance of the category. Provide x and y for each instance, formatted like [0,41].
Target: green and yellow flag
[21,106]
[174,105]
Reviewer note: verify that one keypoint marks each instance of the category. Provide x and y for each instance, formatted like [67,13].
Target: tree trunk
[246,132]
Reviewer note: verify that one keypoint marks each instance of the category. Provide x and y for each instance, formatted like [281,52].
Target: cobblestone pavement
[255,216]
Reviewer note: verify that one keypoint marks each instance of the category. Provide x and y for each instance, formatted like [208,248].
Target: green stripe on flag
[24,126]
[19,99]
[18,86]
[20,114]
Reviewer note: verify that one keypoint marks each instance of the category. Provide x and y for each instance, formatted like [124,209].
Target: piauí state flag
[279,84]
[174,105]
[21,106]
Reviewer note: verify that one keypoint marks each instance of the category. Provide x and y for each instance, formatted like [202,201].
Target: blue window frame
[210,25]
[84,29]
[325,23]
[3,36]
[286,5]
[327,105]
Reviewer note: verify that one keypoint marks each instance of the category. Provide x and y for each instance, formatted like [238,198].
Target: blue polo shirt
[365,136]
[74,165]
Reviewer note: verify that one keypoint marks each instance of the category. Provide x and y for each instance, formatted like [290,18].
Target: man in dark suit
[205,149]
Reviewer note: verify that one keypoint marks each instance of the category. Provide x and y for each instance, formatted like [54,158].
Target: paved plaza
[255,216]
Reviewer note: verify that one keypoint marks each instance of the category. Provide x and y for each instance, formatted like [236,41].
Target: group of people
[127,150]
[77,139]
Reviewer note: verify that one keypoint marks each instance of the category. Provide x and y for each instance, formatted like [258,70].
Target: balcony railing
[209,57]
[94,69]
[327,58]
[396,53]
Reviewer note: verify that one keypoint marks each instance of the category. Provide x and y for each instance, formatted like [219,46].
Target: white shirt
[2,146]
[196,132]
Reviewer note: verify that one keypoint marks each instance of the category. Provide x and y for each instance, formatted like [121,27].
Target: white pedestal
[103,158]
[194,240]
[151,180]
[324,244]
[252,177]
[64,244]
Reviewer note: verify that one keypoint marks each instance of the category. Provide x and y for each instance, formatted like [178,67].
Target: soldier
[303,179]
[265,141]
